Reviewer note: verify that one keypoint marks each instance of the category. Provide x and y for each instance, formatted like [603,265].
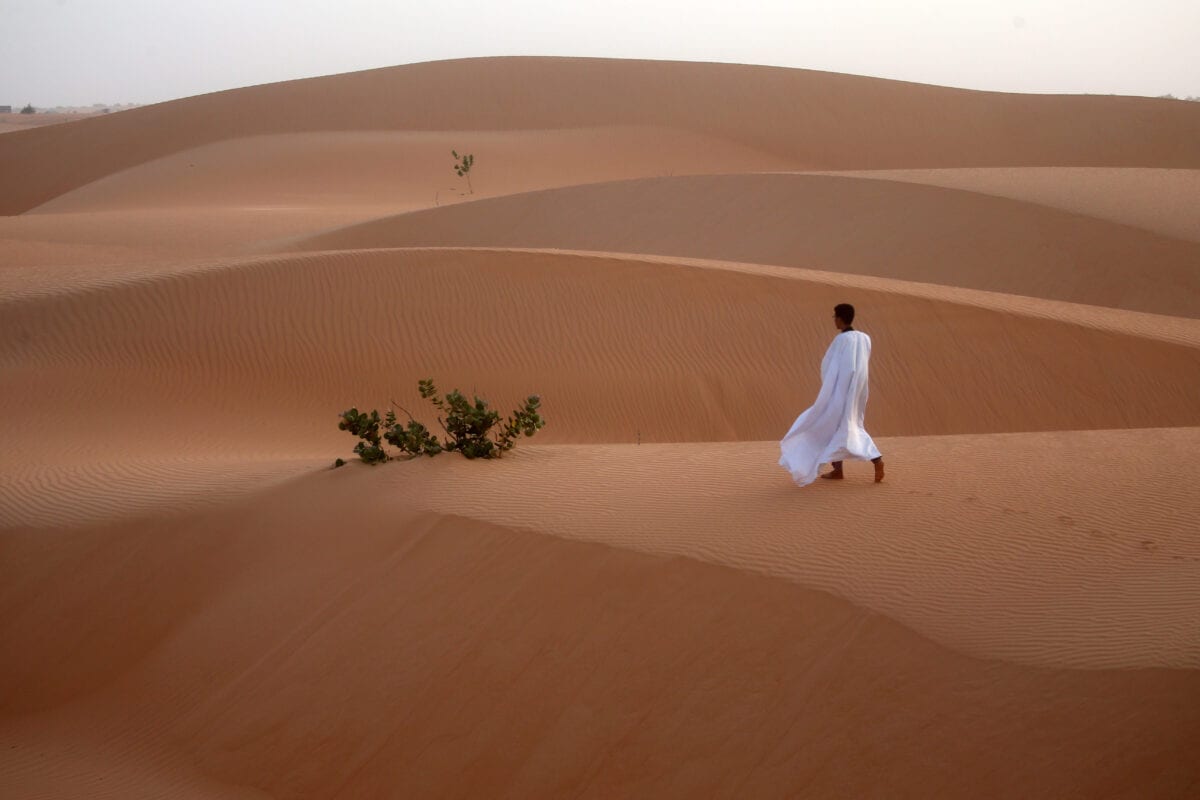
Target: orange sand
[638,603]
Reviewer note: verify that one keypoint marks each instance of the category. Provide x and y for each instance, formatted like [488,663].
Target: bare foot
[879,471]
[835,475]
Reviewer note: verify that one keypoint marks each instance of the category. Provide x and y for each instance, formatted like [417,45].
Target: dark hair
[844,312]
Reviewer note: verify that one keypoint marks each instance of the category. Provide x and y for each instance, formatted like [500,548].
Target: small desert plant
[471,428]
[413,438]
[366,428]
[468,425]
[462,167]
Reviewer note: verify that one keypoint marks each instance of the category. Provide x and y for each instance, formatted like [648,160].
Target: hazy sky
[78,52]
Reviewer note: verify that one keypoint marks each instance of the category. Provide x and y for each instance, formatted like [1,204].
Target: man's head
[843,316]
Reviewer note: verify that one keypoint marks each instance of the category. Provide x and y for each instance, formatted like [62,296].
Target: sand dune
[889,229]
[1163,201]
[815,120]
[1026,550]
[840,224]
[488,659]
[45,252]
[1057,549]
[720,354]
[405,169]
[17,121]
[639,603]
[86,489]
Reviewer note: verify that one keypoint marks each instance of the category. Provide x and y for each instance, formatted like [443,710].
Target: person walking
[831,430]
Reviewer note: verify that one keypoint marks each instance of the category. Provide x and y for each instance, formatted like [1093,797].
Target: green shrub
[471,427]
[366,428]
[413,438]
[462,167]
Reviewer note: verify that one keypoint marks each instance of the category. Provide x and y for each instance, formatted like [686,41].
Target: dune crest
[818,120]
[721,354]
[1159,200]
[403,170]
[883,228]
[518,665]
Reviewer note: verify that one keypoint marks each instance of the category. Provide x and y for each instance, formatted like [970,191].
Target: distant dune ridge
[638,602]
[819,120]
[890,229]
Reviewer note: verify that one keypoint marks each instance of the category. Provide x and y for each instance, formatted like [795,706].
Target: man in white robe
[832,429]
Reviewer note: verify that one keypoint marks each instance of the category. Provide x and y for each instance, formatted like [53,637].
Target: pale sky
[79,52]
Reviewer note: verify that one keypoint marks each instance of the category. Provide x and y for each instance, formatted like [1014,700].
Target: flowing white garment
[832,429]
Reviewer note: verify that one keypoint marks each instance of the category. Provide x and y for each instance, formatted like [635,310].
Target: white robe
[832,429]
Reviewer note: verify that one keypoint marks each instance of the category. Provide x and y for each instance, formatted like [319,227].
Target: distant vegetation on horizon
[95,108]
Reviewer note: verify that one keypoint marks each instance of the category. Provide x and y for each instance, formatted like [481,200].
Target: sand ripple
[1071,549]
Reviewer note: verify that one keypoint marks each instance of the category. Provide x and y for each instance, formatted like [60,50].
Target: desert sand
[638,602]
[16,121]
